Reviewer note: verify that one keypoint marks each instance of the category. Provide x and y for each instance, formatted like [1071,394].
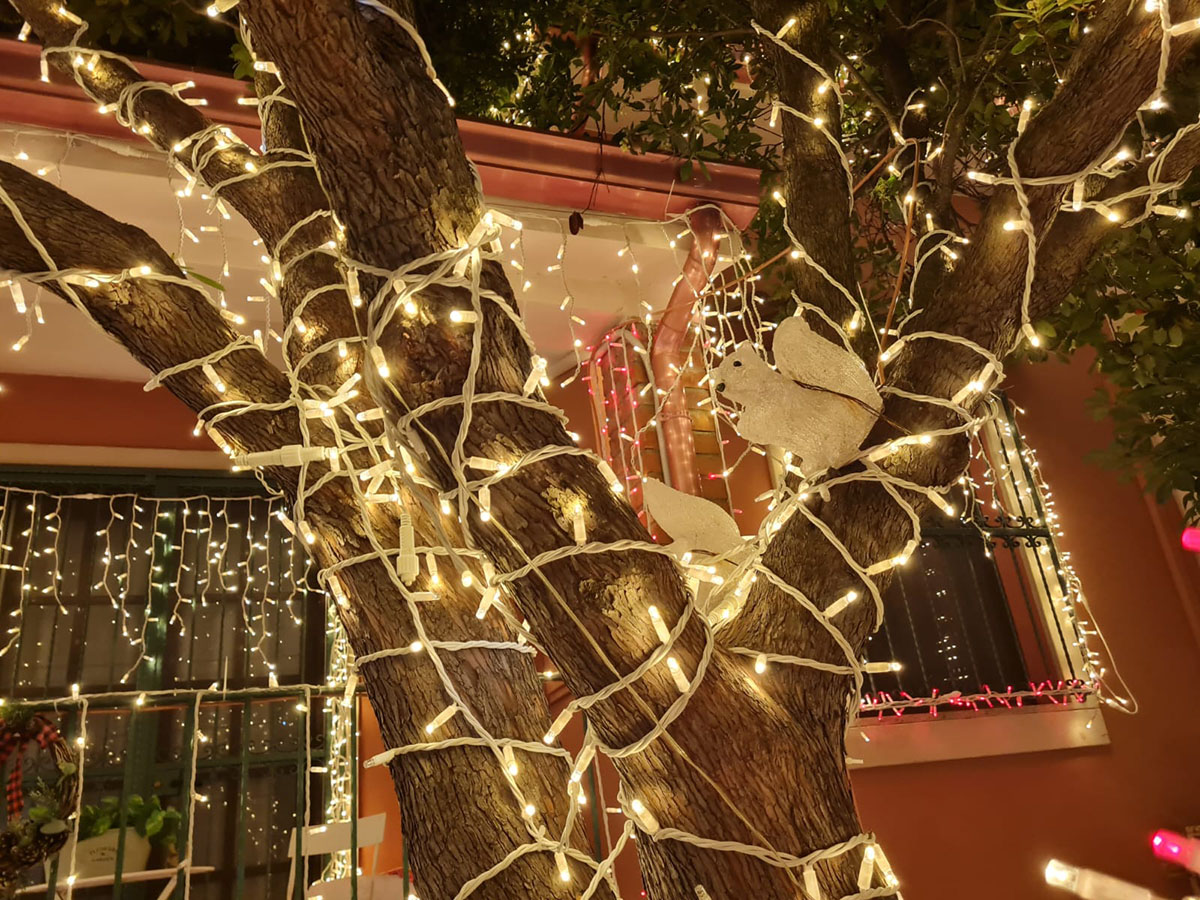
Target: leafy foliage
[1138,310]
[44,811]
[169,30]
[148,817]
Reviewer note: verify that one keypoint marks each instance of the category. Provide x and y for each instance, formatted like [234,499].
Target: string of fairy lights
[342,764]
[397,457]
[221,546]
[219,573]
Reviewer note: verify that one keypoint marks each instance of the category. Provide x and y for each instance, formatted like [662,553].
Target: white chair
[334,837]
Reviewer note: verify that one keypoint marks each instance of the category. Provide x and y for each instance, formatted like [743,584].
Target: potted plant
[146,825]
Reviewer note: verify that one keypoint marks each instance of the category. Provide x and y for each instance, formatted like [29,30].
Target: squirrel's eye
[737,363]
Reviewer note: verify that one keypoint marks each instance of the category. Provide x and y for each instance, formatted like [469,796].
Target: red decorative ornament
[39,730]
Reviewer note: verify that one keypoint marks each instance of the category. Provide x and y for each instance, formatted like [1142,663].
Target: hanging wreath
[43,830]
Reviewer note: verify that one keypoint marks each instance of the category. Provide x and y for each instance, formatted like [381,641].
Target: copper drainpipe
[671,343]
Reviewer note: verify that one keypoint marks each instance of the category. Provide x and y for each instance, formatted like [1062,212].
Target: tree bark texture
[815,182]
[1071,243]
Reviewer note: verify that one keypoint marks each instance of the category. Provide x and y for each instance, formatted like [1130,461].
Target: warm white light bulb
[380,361]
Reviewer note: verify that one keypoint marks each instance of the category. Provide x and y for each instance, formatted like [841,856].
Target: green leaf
[153,825]
[204,279]
[1027,40]
[1131,323]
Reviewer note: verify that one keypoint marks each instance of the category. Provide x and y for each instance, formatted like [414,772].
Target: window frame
[175,775]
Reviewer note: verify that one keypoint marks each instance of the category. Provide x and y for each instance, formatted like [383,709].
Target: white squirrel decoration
[693,523]
[788,408]
[696,524]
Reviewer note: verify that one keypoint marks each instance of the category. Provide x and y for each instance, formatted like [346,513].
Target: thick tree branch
[347,109]
[1069,247]
[276,197]
[814,179]
[1112,74]
[146,315]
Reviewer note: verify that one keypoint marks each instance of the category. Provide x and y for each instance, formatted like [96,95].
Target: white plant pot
[97,856]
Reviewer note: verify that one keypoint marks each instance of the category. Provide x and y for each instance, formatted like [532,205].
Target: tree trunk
[1071,244]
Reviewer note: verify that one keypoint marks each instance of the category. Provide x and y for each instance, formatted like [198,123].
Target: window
[984,615]
[186,616]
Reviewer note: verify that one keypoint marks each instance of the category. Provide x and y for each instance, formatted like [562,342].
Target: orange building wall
[989,825]
[981,828]
[49,409]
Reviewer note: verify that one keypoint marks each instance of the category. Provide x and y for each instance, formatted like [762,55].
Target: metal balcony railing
[176,638]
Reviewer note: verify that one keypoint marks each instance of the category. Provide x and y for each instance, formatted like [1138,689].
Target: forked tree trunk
[734,766]
[756,762]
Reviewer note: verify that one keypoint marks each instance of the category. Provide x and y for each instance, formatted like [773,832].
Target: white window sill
[114,457]
[920,738]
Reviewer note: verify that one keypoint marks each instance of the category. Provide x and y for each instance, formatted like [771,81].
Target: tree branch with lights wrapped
[457,523]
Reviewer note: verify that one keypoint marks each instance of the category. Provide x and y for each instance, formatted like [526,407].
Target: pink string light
[1176,848]
[1190,539]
